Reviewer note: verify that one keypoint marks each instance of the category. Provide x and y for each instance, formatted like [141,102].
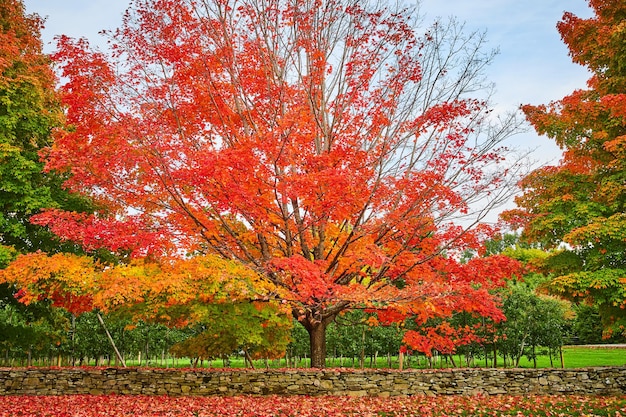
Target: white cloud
[77,18]
[533,66]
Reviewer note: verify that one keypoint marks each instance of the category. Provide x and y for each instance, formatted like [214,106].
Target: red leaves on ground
[274,406]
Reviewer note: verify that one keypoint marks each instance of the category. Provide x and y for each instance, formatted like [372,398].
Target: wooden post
[117,352]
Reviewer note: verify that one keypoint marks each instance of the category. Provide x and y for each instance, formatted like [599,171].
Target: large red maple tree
[329,145]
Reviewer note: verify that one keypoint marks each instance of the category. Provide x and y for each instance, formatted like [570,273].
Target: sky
[532,67]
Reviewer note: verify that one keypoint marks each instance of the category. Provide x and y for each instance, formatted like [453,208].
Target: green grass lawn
[582,357]
[573,357]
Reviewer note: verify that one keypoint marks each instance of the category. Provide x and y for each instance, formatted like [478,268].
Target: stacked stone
[383,383]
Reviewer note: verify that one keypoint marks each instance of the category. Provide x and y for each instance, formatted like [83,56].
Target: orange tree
[581,200]
[329,146]
[205,290]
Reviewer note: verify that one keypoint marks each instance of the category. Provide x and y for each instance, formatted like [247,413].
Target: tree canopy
[581,200]
[340,152]
[29,110]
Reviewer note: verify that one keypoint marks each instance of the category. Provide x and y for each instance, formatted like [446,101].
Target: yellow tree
[204,289]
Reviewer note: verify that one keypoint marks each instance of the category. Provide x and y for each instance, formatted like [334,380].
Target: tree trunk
[362,355]
[495,355]
[317,337]
[315,323]
[451,356]
[248,359]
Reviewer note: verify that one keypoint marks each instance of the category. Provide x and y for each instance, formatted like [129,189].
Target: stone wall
[57,381]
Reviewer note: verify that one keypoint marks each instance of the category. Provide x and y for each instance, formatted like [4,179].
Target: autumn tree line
[252,176]
[536,326]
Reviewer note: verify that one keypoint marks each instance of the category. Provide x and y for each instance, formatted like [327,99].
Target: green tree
[88,340]
[29,332]
[263,334]
[299,346]
[587,326]
[29,112]
[532,321]
[582,200]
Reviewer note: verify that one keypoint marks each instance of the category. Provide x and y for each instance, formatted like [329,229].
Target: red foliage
[275,406]
[318,161]
[67,280]
[94,232]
